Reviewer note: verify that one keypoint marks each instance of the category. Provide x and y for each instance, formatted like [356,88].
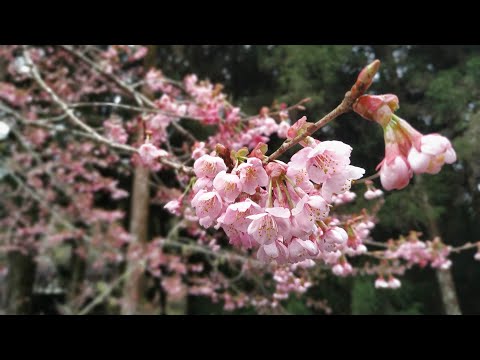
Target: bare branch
[89,130]
[358,89]
[138,96]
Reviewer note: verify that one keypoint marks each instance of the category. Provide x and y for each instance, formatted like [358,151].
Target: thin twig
[344,107]
[95,135]
[361,85]
[138,96]
[364,180]
[298,105]
[133,108]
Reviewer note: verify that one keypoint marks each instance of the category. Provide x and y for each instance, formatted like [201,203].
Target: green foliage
[311,71]
[366,300]
[402,210]
[297,306]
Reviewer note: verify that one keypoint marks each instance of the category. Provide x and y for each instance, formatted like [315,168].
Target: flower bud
[365,78]
[379,108]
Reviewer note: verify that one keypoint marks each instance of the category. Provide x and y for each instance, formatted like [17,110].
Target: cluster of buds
[391,283]
[407,151]
[417,252]
[372,192]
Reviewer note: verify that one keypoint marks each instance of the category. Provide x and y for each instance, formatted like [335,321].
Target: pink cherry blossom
[381,283]
[208,206]
[264,228]
[328,164]
[276,169]
[283,128]
[394,283]
[204,183]
[300,178]
[237,213]
[298,128]
[300,250]
[227,185]
[273,251]
[379,108]
[309,210]
[332,238]
[236,237]
[174,207]
[344,198]
[252,175]
[149,153]
[395,173]
[373,194]
[198,150]
[115,131]
[342,269]
[432,152]
[208,166]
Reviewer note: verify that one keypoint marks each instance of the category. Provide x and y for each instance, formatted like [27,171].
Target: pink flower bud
[298,128]
[394,283]
[173,207]
[149,153]
[365,78]
[433,151]
[395,173]
[282,130]
[373,194]
[380,283]
[379,108]
[276,169]
[4,130]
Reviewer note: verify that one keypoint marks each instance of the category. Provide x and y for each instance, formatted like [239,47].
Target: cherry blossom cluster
[407,151]
[390,283]
[277,206]
[372,192]
[205,102]
[417,252]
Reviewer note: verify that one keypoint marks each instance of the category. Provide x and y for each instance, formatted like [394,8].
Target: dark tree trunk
[444,277]
[134,288]
[20,281]
[78,268]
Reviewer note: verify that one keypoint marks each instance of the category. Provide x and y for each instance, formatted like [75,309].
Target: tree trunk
[20,281]
[78,267]
[449,294]
[444,277]
[134,287]
[21,269]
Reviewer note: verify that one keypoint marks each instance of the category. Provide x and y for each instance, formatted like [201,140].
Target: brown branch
[138,96]
[121,84]
[361,85]
[298,105]
[364,180]
[133,108]
[466,246]
[89,130]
